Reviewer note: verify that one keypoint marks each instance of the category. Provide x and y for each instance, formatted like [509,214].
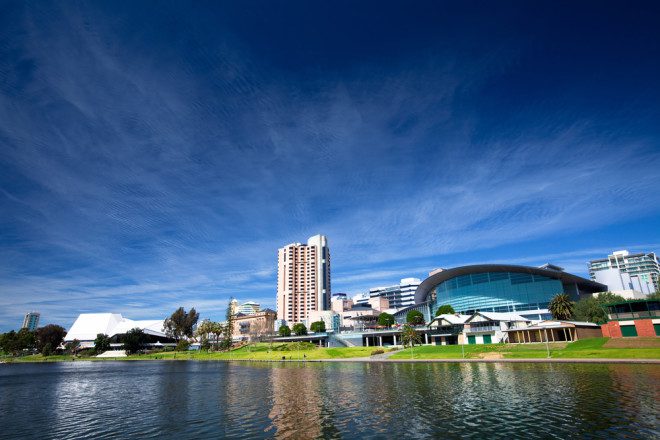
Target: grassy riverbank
[597,348]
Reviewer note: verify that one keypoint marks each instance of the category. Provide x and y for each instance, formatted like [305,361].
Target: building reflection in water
[296,401]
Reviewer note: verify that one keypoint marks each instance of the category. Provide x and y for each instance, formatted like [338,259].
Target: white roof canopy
[88,325]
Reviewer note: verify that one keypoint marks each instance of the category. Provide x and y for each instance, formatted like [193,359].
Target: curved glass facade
[497,292]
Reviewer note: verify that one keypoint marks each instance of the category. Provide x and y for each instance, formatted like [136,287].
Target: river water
[186,400]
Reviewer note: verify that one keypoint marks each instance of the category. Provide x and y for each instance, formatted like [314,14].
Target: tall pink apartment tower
[303,279]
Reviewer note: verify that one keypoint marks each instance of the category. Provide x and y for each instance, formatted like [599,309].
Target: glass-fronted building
[501,288]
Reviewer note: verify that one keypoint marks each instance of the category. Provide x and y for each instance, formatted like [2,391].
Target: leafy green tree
[133,340]
[9,343]
[181,323]
[386,320]
[16,342]
[47,349]
[101,343]
[591,308]
[50,334]
[445,310]
[284,330]
[317,327]
[299,329]
[415,317]
[561,307]
[72,347]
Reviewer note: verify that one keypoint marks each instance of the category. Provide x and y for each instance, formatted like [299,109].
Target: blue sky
[156,154]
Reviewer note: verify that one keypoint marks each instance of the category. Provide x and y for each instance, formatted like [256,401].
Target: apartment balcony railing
[488,328]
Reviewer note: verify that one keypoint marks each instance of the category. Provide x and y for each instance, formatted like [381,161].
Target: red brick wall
[612,330]
[645,328]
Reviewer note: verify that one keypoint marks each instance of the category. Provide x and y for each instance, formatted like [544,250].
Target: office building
[642,268]
[31,321]
[399,296]
[303,279]
[249,308]
[624,284]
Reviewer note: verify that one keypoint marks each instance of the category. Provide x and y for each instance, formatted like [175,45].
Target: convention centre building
[500,288]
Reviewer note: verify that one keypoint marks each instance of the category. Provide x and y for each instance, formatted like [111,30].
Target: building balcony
[487,328]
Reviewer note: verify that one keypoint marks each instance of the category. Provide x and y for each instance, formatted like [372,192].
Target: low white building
[491,327]
[88,325]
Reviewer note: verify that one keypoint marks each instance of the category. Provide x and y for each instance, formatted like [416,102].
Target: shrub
[182,345]
[47,349]
[379,351]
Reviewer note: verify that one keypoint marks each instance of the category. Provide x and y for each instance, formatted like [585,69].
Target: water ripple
[206,399]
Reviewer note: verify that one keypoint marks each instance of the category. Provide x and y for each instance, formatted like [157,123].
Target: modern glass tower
[31,321]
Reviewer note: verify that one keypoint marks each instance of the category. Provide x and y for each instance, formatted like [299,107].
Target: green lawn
[262,351]
[587,348]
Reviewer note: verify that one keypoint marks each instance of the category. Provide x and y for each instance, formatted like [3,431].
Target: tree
[51,334]
[217,330]
[134,339]
[561,307]
[284,330]
[415,317]
[228,332]
[317,327]
[181,323]
[72,347]
[445,310]
[9,343]
[15,342]
[299,329]
[101,343]
[591,308]
[409,336]
[182,345]
[203,331]
[386,320]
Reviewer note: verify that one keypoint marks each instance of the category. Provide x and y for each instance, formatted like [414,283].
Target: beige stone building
[303,279]
[254,327]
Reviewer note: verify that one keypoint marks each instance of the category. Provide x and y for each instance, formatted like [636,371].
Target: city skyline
[151,159]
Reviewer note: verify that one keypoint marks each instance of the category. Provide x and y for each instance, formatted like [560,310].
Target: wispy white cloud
[136,181]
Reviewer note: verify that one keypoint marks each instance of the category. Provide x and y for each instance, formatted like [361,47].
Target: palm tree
[561,306]
[410,337]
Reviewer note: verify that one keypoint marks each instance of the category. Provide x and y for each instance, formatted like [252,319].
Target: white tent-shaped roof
[88,325]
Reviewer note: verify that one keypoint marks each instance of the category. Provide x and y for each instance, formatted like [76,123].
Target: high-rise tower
[303,279]
[31,321]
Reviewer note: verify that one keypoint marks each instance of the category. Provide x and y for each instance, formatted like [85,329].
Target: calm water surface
[350,400]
